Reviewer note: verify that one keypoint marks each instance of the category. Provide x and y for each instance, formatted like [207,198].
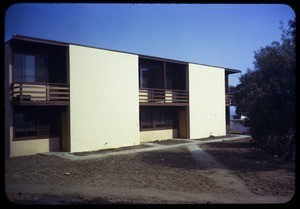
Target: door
[182,124]
[64,132]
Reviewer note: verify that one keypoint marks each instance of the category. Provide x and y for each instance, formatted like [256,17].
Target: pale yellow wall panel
[104,106]
[147,136]
[33,146]
[207,101]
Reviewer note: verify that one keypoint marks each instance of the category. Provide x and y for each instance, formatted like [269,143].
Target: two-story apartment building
[68,97]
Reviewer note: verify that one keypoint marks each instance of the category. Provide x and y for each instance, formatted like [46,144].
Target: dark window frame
[36,76]
[170,120]
[52,125]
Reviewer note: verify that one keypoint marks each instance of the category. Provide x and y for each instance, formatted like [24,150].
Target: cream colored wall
[207,101]
[146,136]
[104,103]
[33,146]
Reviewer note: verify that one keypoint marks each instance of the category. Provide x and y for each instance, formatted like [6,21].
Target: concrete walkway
[152,147]
[221,175]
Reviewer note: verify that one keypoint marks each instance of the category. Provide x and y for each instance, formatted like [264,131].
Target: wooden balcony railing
[40,94]
[230,99]
[150,96]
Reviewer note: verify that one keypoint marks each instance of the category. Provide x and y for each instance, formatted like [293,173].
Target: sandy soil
[164,176]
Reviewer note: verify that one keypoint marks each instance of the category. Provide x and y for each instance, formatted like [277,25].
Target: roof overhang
[231,71]
[162,59]
[18,38]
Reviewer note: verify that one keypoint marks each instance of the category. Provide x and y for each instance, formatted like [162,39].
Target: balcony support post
[21,92]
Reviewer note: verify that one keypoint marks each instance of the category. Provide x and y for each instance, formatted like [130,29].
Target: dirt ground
[163,176]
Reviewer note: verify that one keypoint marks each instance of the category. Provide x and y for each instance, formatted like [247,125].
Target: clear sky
[215,34]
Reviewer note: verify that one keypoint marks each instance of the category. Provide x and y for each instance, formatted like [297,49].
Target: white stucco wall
[207,101]
[104,105]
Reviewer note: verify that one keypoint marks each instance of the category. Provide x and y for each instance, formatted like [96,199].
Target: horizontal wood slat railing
[164,96]
[50,93]
[230,99]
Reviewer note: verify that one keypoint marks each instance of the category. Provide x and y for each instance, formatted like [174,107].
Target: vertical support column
[47,92]
[165,76]
[21,92]
[227,119]
[165,81]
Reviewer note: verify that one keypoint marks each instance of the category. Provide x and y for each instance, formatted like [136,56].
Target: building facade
[67,97]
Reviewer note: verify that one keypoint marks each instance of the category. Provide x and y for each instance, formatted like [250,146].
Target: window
[35,123]
[30,68]
[144,77]
[25,124]
[146,119]
[157,119]
[170,79]
[160,119]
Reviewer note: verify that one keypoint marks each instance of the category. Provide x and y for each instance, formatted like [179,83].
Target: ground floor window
[29,122]
[158,119]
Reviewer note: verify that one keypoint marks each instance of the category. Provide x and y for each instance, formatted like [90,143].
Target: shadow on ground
[234,155]
[61,200]
[240,156]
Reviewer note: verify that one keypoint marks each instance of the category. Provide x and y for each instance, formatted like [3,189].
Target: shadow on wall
[54,144]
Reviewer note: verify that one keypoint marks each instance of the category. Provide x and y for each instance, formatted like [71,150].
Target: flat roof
[66,44]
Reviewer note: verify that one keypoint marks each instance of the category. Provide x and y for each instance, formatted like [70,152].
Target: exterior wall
[207,101]
[7,106]
[104,102]
[33,146]
[146,136]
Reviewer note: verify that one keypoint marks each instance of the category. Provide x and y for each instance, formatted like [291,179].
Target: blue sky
[215,34]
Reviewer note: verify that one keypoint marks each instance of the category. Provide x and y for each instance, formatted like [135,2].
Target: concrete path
[221,175]
[225,178]
[153,147]
[205,159]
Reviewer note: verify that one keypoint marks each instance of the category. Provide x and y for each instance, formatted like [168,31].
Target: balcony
[230,99]
[39,94]
[163,97]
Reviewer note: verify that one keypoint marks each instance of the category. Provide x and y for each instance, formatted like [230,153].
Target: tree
[266,95]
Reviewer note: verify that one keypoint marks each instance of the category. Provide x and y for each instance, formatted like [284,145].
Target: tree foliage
[266,95]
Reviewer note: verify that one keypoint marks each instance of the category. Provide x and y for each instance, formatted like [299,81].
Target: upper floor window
[144,77]
[30,68]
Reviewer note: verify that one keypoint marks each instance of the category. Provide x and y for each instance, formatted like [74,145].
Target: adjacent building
[67,97]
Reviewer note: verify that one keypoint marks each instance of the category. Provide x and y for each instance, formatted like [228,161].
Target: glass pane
[24,121]
[146,119]
[170,119]
[18,67]
[43,124]
[43,130]
[24,124]
[169,80]
[54,124]
[30,68]
[30,120]
[19,121]
[41,64]
[31,133]
[160,120]
[20,133]
[144,77]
